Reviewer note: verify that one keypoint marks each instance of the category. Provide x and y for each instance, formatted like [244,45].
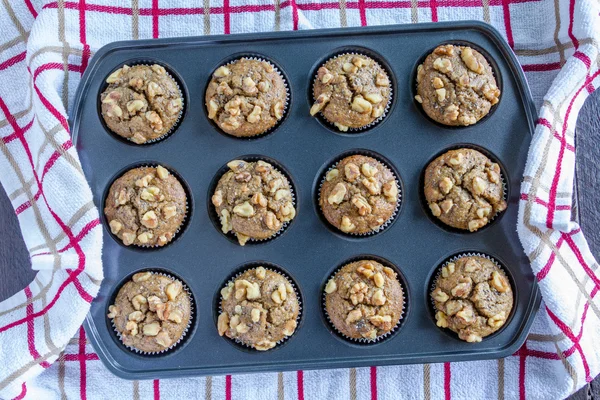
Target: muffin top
[456,85]
[246,98]
[351,91]
[259,308]
[146,206]
[141,103]
[359,195]
[253,200]
[151,312]
[473,297]
[364,300]
[464,189]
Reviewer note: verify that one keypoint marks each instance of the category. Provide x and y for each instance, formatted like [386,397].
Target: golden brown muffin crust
[152,312]
[259,308]
[456,85]
[146,206]
[464,189]
[359,195]
[246,98]
[253,200]
[351,91]
[141,103]
[364,300]
[473,298]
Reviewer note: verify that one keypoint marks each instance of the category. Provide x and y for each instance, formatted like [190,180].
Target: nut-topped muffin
[456,85]
[473,297]
[259,309]
[351,91]
[253,200]
[141,103]
[359,195]
[246,97]
[151,312]
[146,206]
[464,189]
[364,300]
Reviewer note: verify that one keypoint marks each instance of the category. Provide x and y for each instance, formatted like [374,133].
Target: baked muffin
[472,297]
[359,195]
[246,98]
[464,189]
[364,300]
[259,309]
[456,85]
[141,103]
[253,200]
[152,312]
[146,206]
[351,91]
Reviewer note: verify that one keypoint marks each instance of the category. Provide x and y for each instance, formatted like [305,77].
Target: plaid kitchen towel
[44,50]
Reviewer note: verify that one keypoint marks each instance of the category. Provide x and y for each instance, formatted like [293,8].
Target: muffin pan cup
[203,258]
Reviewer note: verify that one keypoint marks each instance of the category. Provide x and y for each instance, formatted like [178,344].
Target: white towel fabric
[46,46]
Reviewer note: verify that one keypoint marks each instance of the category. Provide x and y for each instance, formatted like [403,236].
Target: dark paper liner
[212,212]
[184,335]
[379,61]
[493,65]
[238,272]
[178,82]
[503,178]
[188,204]
[452,259]
[288,97]
[403,314]
[382,160]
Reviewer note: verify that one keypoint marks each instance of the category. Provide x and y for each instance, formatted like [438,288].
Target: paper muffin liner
[453,259]
[149,63]
[284,225]
[383,162]
[387,106]
[492,218]
[391,332]
[272,268]
[185,331]
[184,221]
[285,105]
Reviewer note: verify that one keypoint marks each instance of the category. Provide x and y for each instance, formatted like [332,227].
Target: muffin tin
[309,250]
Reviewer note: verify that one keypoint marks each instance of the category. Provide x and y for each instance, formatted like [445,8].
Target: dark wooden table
[15,270]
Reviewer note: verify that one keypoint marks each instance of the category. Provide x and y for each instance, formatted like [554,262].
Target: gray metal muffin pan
[308,250]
